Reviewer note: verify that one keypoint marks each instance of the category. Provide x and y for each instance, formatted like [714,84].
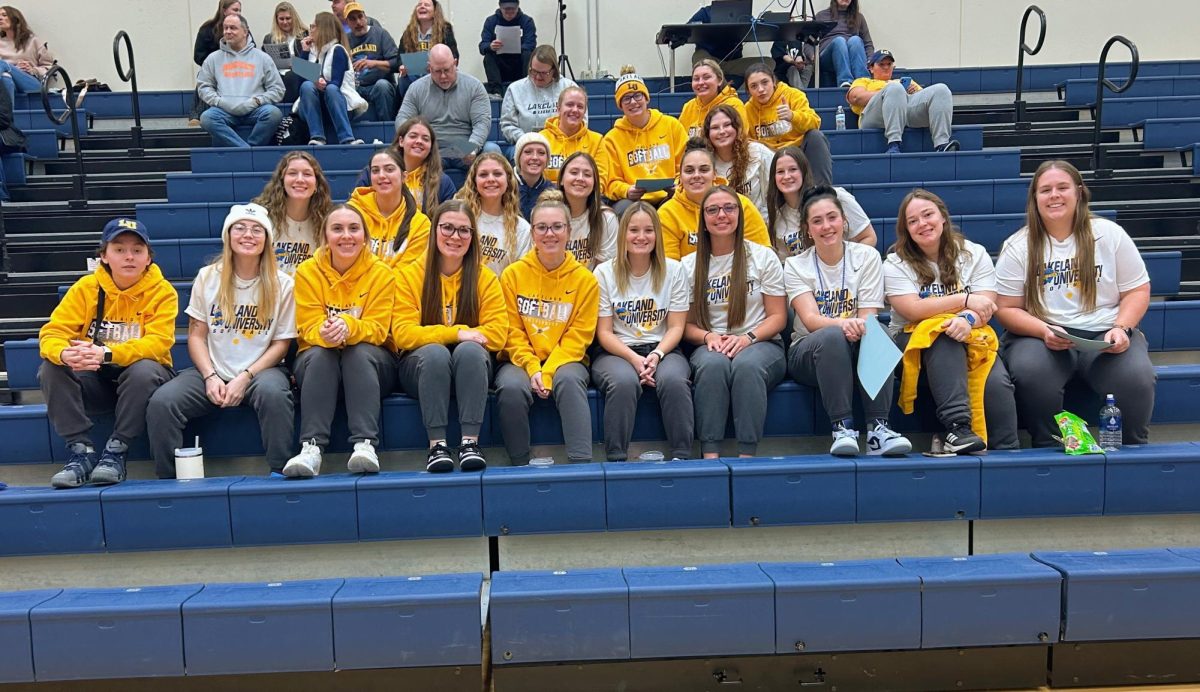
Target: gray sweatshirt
[459,115]
[237,83]
[526,107]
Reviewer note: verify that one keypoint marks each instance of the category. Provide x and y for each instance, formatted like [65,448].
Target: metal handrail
[135,132]
[1098,168]
[79,179]
[1023,50]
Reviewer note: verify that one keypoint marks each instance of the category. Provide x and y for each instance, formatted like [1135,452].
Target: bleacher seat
[1082,92]
[1171,133]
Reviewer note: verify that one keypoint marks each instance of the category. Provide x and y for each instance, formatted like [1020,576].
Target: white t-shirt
[975,270]
[764,277]
[293,244]
[1119,268]
[577,244]
[234,344]
[640,314]
[840,290]
[787,226]
[758,175]
[491,242]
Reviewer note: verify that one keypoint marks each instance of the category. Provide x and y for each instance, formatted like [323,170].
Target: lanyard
[825,310]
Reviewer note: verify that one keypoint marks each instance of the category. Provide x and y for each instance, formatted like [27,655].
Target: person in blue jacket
[503,69]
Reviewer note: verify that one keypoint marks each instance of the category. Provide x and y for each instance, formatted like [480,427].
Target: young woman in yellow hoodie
[568,133]
[780,116]
[553,302]
[450,318]
[107,347]
[345,297]
[398,232]
[642,144]
[712,90]
[680,215]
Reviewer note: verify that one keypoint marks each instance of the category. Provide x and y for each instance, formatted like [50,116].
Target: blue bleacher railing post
[1024,49]
[135,132]
[79,182]
[1098,168]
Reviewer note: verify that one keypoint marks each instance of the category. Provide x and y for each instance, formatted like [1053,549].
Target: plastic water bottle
[1110,425]
[839,120]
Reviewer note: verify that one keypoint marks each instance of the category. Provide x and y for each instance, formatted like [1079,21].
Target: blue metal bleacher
[1082,92]
[1171,133]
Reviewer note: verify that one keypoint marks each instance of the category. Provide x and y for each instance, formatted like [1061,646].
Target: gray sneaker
[111,468]
[78,469]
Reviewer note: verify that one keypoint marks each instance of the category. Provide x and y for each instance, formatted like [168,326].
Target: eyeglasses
[443,71]
[449,230]
[251,229]
[715,209]
[632,98]
[544,228]
[540,73]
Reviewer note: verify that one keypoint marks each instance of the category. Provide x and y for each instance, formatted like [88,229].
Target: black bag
[291,130]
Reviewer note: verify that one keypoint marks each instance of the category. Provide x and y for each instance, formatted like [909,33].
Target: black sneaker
[78,469]
[470,457]
[960,439]
[952,145]
[111,468]
[440,460]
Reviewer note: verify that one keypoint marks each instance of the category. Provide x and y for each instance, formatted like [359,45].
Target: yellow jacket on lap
[981,354]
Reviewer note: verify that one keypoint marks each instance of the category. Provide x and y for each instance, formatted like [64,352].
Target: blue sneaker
[78,469]
[893,148]
[111,468]
[276,474]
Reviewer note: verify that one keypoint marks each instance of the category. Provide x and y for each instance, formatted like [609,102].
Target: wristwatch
[752,337]
[968,317]
[107,359]
[1128,330]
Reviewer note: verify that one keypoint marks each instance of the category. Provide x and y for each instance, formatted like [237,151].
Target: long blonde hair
[328,28]
[622,269]
[268,281]
[510,201]
[409,41]
[274,196]
[298,25]
[737,279]
[1039,237]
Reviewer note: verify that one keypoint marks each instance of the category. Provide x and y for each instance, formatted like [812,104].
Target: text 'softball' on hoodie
[630,153]
[563,145]
[364,297]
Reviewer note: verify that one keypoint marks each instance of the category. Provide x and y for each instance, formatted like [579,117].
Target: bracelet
[658,353]
[248,373]
[704,339]
[210,375]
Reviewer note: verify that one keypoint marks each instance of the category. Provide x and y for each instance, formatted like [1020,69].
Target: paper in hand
[877,358]
[510,38]
[1080,343]
[306,69]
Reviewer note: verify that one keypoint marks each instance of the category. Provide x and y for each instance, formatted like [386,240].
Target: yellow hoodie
[766,127]
[551,314]
[563,145]
[382,230]
[680,217]
[364,297]
[693,114]
[139,322]
[631,153]
[871,85]
[409,334]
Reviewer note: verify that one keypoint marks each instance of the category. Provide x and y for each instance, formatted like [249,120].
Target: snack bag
[1075,436]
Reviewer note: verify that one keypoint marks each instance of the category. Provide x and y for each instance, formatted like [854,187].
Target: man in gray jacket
[455,104]
[241,84]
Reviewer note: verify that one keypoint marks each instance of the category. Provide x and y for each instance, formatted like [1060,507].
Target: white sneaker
[363,459]
[883,440]
[845,441]
[306,464]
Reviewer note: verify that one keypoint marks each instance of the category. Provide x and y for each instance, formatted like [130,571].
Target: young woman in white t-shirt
[737,311]
[1071,271]
[490,189]
[297,200]
[744,162]
[593,225]
[643,311]
[835,286]
[791,177]
[933,272]
[241,321]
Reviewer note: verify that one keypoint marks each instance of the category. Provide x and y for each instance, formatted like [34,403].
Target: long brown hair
[409,40]
[431,177]
[1038,238]
[741,145]
[268,280]
[950,245]
[737,279]
[658,257]
[811,197]
[852,14]
[20,33]
[775,198]
[595,203]
[467,302]
[274,195]
[217,22]
[326,28]
[510,201]
[410,203]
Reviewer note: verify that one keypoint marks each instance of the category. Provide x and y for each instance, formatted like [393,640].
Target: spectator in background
[208,41]
[426,28]
[780,116]
[322,102]
[845,49]
[530,101]
[726,50]
[241,85]
[503,69]
[568,133]
[455,104]
[282,43]
[374,57]
[338,8]
[894,104]
[793,62]
[24,58]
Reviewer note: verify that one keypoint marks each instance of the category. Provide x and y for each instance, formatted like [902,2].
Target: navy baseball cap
[116,227]
[880,55]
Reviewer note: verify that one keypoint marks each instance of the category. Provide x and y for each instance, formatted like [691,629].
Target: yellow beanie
[628,84]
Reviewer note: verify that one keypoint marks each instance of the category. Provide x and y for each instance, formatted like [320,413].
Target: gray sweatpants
[616,379]
[433,371]
[743,381]
[820,161]
[514,397]
[71,397]
[894,109]
[1041,375]
[944,368]
[826,360]
[184,399]
[365,372]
